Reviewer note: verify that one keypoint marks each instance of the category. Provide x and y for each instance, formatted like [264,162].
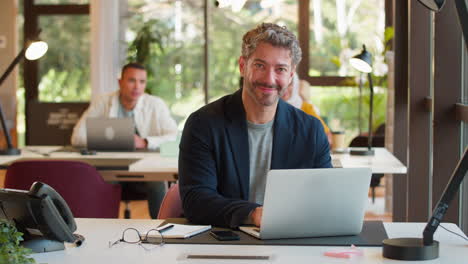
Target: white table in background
[382,162]
[159,169]
[151,166]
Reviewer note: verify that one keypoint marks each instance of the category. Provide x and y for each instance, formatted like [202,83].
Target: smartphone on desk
[224,235]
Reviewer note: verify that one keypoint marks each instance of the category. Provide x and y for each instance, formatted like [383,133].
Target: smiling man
[228,146]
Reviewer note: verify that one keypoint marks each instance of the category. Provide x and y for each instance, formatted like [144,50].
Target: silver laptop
[110,134]
[313,203]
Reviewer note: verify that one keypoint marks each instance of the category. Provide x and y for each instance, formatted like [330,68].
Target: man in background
[151,117]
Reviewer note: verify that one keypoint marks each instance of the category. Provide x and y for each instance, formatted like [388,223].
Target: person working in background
[293,97]
[228,146]
[152,120]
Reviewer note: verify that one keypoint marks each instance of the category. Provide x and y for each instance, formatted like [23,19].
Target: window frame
[32,12]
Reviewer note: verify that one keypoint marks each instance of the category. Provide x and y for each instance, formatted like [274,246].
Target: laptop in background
[110,134]
[313,203]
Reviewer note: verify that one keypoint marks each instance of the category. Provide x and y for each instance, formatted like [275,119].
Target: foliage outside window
[339,107]
[338,29]
[65,70]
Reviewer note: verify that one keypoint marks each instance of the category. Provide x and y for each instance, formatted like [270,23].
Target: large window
[173,33]
[177,31]
[338,29]
[64,72]
[172,39]
[61,79]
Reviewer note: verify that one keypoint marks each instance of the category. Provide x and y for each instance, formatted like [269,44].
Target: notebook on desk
[313,203]
[183,231]
[110,134]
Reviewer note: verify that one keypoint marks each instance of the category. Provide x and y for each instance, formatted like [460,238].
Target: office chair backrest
[171,206]
[78,183]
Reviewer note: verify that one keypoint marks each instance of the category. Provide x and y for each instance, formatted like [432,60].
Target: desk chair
[171,206]
[78,183]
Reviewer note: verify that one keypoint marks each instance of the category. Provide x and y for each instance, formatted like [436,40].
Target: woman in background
[293,97]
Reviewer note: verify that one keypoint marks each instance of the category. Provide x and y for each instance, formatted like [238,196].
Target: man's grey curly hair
[272,34]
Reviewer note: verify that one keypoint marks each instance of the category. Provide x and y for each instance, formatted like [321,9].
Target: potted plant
[10,249]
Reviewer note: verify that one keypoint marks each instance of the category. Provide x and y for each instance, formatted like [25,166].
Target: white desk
[153,167]
[156,168]
[98,232]
[382,162]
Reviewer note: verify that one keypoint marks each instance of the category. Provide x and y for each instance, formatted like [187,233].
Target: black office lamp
[33,50]
[427,248]
[363,63]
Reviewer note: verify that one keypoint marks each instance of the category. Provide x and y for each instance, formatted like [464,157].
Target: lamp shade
[36,50]
[435,5]
[363,61]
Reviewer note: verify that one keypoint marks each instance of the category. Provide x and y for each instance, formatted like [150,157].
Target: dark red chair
[78,183]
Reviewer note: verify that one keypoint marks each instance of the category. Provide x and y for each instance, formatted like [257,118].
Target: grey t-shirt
[260,146]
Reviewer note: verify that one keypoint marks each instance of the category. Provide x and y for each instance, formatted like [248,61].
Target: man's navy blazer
[214,157]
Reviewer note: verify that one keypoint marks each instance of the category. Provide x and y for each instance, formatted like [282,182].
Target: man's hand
[140,143]
[256,216]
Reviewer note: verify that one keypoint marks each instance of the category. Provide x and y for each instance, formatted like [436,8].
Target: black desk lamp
[426,248]
[33,50]
[363,63]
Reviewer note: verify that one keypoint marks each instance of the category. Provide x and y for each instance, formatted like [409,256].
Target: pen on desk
[161,230]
